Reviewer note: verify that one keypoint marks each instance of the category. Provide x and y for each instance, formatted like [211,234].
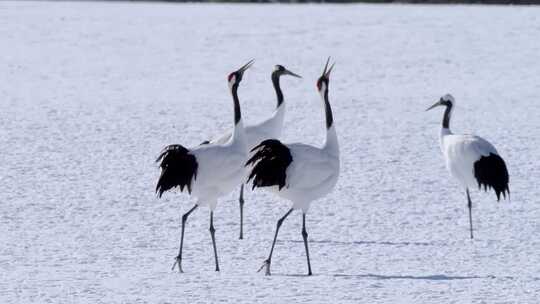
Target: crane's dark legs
[470,212]
[212,234]
[241,200]
[269,260]
[179,257]
[305,237]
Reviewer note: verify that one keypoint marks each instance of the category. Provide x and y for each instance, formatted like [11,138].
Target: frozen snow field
[91,92]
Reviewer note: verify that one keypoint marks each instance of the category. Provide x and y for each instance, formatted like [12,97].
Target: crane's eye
[230,76]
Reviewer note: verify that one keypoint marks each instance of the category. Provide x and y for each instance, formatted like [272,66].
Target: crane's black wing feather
[490,172]
[270,163]
[178,169]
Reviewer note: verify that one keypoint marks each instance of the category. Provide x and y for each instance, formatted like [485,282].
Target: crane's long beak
[246,66]
[327,71]
[287,72]
[438,103]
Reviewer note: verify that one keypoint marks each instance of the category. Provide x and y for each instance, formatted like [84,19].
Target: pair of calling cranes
[298,172]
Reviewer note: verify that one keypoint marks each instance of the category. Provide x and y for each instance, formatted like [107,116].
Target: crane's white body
[221,167]
[460,152]
[312,174]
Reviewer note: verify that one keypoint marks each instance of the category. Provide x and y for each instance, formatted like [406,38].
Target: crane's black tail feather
[178,169]
[490,172]
[269,164]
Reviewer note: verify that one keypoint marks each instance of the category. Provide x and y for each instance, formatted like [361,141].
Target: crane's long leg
[269,260]
[178,259]
[305,237]
[241,201]
[470,212]
[212,234]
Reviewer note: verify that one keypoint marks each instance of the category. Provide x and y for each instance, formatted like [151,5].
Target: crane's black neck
[279,94]
[447,115]
[328,111]
[237,113]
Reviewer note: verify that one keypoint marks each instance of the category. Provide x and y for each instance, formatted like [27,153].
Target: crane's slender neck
[331,143]
[238,137]
[447,116]
[237,112]
[279,93]
[445,130]
[328,111]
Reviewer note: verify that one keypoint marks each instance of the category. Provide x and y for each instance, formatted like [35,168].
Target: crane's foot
[266,265]
[178,261]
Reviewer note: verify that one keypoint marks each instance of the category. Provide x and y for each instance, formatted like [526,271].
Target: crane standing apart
[208,171]
[470,159]
[269,128]
[298,172]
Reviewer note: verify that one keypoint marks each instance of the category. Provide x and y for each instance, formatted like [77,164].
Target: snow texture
[91,92]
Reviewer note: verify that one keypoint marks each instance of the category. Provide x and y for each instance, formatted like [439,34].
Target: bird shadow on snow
[435,277]
[365,243]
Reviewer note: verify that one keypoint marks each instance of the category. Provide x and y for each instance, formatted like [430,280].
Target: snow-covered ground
[90,93]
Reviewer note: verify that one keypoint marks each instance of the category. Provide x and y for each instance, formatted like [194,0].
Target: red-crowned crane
[298,172]
[207,171]
[470,159]
[269,128]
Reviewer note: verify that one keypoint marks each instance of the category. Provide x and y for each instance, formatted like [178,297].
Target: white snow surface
[91,92]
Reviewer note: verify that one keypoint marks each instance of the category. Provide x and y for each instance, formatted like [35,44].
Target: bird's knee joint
[304,233]
[212,229]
